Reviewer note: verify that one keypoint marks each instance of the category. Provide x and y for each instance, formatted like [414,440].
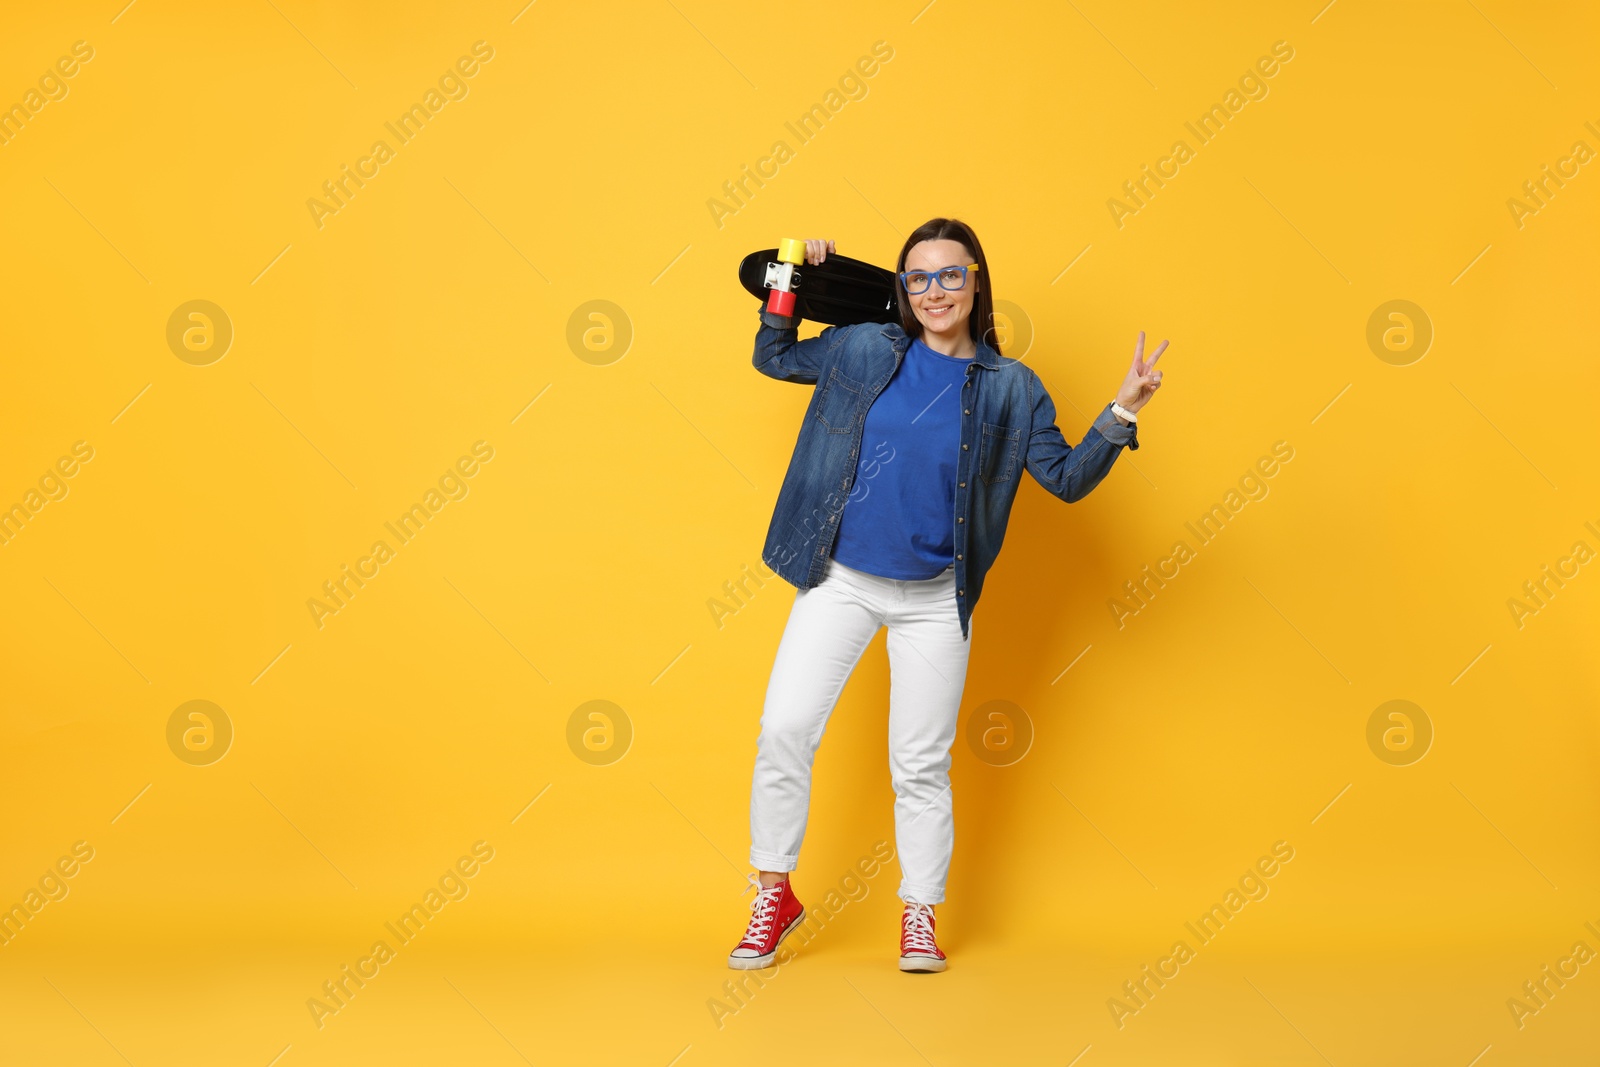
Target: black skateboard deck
[839,291]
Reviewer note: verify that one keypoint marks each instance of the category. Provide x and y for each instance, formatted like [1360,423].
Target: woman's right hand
[817,251]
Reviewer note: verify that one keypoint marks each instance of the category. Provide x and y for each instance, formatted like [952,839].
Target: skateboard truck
[782,278]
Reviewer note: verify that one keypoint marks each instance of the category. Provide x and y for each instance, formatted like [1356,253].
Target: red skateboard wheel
[780,302]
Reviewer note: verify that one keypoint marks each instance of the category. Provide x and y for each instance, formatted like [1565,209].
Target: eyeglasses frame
[933,276]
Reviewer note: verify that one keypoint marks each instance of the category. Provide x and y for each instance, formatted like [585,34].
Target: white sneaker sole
[755,963]
[921,963]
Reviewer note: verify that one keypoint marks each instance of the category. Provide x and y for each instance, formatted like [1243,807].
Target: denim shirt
[1008,424]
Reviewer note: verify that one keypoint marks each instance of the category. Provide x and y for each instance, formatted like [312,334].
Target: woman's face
[942,312]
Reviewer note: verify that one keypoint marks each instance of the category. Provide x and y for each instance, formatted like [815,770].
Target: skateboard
[839,291]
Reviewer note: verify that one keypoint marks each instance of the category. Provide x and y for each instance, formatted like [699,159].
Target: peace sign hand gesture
[1143,379]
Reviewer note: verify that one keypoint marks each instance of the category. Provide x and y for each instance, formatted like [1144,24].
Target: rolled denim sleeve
[1114,431]
[780,354]
[1068,471]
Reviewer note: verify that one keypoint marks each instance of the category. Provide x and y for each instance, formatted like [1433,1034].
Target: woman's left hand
[1143,379]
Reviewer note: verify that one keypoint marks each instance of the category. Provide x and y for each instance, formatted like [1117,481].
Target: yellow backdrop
[387,478]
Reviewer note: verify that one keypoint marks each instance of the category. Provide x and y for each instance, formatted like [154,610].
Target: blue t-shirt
[899,520]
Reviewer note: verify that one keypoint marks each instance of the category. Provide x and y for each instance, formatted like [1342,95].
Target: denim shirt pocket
[998,452]
[837,401]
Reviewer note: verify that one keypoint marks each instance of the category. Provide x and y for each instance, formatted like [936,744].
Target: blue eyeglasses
[950,278]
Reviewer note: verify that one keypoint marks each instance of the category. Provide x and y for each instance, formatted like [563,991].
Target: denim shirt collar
[984,356]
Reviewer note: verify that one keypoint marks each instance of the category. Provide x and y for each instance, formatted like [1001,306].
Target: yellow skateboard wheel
[791,251]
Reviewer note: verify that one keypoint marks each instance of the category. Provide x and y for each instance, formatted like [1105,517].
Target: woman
[900,533]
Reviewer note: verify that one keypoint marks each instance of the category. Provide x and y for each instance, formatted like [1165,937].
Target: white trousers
[829,627]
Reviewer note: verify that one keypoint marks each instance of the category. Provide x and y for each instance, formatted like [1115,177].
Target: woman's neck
[962,347]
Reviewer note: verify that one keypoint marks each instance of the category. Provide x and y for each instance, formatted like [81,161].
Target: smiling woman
[962,424]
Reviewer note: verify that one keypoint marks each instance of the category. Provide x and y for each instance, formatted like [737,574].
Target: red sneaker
[918,951]
[773,916]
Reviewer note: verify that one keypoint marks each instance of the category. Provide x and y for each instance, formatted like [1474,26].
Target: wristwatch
[1119,410]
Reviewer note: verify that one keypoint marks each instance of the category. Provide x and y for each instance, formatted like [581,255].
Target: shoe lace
[918,928]
[762,912]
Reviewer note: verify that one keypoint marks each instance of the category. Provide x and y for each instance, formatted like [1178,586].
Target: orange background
[635,461]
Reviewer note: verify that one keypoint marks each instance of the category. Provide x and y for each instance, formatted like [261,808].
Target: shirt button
[960,519]
[968,411]
[960,556]
[961,592]
[963,485]
[963,448]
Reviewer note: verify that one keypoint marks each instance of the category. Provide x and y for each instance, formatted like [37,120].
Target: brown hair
[981,322]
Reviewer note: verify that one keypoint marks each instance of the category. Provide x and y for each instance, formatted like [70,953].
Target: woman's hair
[981,321]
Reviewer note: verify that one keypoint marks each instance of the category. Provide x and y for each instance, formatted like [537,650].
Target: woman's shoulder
[891,331]
[874,335]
